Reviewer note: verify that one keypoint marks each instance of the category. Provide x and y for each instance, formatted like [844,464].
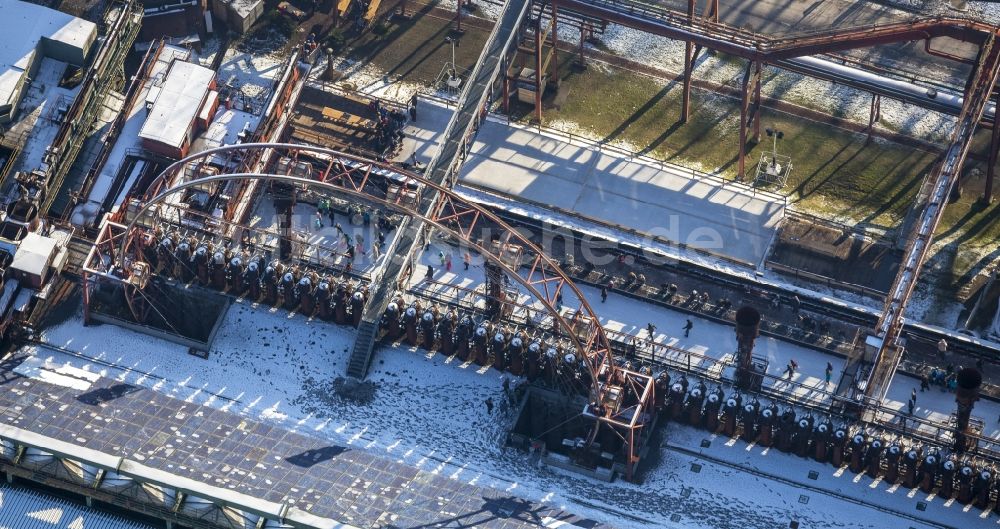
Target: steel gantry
[799,53]
[471,109]
[876,355]
[882,348]
[619,398]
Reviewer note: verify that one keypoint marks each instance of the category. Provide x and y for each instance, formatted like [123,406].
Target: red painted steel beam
[752,46]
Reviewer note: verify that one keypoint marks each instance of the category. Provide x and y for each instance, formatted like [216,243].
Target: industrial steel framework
[619,398]
[872,366]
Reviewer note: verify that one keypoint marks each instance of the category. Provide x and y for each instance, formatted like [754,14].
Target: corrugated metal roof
[25,509]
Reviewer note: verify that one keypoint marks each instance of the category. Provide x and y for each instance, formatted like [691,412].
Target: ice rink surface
[428,411]
[668,202]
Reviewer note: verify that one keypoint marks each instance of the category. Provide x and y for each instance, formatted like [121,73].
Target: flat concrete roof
[177,104]
[22,26]
[33,254]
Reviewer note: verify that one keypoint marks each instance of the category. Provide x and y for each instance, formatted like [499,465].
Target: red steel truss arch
[356,177]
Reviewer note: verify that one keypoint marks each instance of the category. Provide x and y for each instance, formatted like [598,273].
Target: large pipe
[747,331]
[966,395]
[939,100]
[965,476]
[947,478]
[892,456]
[910,462]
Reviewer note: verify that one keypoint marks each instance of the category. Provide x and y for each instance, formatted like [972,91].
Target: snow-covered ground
[251,74]
[714,342]
[988,12]
[428,411]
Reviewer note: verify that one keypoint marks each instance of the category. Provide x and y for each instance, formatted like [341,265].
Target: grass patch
[414,50]
[835,173]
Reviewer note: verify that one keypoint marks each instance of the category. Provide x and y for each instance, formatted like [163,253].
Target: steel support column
[538,69]
[874,116]
[689,53]
[991,162]
[755,115]
[747,113]
[555,45]
[688,68]
[506,92]
[85,283]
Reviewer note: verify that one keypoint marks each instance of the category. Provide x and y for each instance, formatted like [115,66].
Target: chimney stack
[747,331]
[966,395]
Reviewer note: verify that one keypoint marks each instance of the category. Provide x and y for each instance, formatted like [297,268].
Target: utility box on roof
[33,260]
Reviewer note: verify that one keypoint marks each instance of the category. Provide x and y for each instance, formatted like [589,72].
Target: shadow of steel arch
[455,216]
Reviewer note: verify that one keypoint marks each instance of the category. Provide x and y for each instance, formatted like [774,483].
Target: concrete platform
[671,203]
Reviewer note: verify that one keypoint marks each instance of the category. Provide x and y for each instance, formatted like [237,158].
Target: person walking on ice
[790,369]
[467,260]
[687,328]
[604,293]
[829,372]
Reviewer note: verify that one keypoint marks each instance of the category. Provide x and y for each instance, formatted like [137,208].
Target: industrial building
[179,108]
[238,293]
[32,32]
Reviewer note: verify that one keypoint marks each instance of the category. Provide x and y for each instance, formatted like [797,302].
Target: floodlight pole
[454,67]
[774,149]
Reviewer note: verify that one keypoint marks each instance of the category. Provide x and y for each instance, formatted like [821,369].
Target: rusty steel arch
[355,176]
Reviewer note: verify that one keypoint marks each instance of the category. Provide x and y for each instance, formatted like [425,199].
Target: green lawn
[835,173]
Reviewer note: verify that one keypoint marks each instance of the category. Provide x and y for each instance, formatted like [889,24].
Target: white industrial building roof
[24,509]
[177,104]
[22,25]
[33,254]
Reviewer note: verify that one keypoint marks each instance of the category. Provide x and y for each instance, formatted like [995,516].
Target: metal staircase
[364,346]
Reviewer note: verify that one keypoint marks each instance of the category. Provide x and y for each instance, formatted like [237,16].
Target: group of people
[444,261]
[946,378]
[388,128]
[352,246]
